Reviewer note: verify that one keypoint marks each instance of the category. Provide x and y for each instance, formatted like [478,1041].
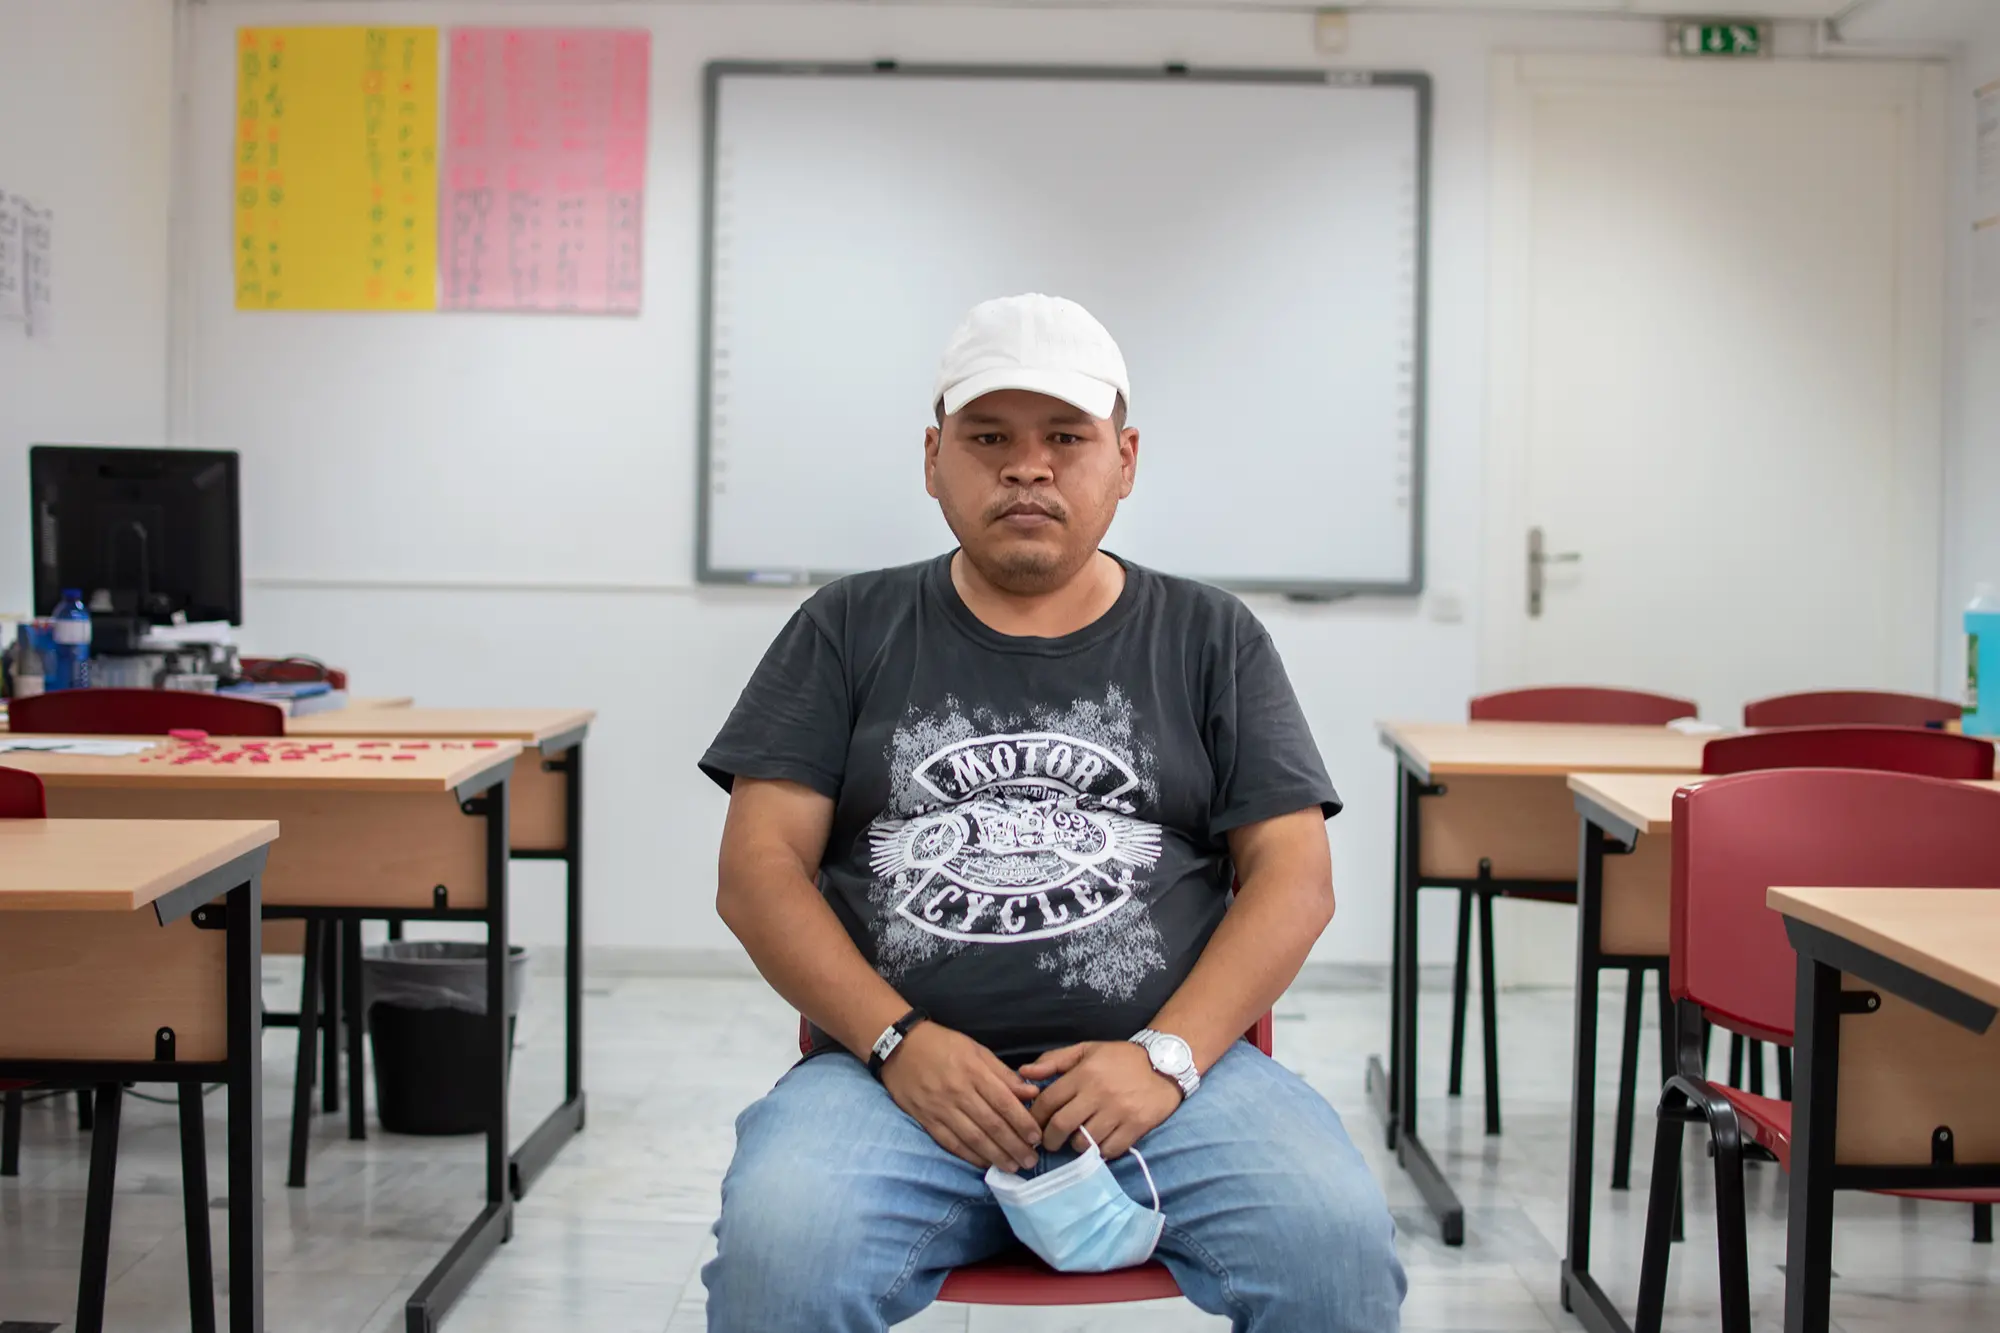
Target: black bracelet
[892,1037]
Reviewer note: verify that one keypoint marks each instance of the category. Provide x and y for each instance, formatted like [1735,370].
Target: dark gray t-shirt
[1028,833]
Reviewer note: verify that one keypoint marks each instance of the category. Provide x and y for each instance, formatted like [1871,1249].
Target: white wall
[85,129]
[1972,482]
[664,661]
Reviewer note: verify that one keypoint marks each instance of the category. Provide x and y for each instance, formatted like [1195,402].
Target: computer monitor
[154,530]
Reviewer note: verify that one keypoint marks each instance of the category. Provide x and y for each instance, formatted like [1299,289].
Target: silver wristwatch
[1170,1056]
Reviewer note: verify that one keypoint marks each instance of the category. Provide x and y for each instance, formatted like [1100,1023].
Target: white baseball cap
[1043,344]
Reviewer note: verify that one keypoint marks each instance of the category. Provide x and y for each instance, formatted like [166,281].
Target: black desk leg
[97,1200]
[245,952]
[495,1224]
[1410,1151]
[566,1121]
[356,1024]
[310,994]
[1815,1113]
[194,1208]
[333,979]
[1383,1083]
[1580,1292]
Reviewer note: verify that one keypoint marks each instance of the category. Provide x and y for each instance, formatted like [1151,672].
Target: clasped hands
[979,1110]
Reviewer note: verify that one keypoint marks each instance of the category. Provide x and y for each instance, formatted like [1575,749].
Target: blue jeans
[840,1213]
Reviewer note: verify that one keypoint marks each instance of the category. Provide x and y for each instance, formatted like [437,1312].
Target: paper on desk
[84,745]
[217,632]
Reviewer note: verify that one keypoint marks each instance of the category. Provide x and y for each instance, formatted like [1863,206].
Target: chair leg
[194,1204]
[91,1279]
[1459,965]
[1662,1198]
[1628,1079]
[1982,1224]
[86,1113]
[10,1134]
[329,1017]
[1489,1012]
[302,1078]
[1667,1027]
[1753,1055]
[1732,1243]
[1784,1072]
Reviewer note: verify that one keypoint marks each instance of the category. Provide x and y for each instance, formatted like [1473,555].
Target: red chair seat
[1019,1278]
[1768,1123]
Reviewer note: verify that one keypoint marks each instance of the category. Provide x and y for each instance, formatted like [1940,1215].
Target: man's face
[1029,485]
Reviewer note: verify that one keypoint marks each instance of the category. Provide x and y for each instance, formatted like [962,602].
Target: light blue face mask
[1078,1218]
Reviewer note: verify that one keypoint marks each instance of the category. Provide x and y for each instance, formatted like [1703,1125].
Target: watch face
[1171,1055]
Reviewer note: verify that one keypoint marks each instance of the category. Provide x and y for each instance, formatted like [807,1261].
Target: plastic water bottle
[1982,663]
[72,635]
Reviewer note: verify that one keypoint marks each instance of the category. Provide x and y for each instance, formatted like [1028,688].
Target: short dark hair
[1117,412]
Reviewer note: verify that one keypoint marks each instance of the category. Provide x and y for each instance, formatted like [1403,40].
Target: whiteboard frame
[1314,590]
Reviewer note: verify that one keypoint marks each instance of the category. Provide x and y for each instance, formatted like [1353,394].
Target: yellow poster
[336,168]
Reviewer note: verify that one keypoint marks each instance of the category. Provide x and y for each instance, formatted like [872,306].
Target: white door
[1716,379]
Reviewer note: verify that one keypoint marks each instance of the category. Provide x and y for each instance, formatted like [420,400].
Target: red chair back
[143,713]
[1826,708]
[21,795]
[1591,704]
[1737,837]
[1935,754]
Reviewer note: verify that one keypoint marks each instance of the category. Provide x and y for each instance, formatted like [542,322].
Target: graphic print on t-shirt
[1029,839]
[1006,828]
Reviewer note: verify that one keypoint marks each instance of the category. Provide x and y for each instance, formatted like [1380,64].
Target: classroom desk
[1624,886]
[371,832]
[97,989]
[1504,818]
[362,702]
[545,812]
[1938,949]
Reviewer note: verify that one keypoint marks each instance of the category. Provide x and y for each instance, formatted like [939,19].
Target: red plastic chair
[143,713]
[1595,705]
[1933,754]
[1731,964]
[21,795]
[1592,705]
[1936,754]
[1844,707]
[1018,1277]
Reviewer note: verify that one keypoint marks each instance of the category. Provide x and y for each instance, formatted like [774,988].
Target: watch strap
[892,1037]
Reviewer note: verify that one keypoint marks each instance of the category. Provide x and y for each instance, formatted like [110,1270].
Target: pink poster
[544,170]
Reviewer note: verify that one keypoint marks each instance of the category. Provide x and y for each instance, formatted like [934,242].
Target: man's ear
[933,437]
[1128,459]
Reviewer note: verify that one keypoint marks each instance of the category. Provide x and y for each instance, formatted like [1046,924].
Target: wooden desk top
[292,764]
[1523,749]
[378,701]
[1949,935]
[1645,801]
[114,865]
[530,726]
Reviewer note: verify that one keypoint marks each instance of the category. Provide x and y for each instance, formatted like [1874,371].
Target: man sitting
[985,813]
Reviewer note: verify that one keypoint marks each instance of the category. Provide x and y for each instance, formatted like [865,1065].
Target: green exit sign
[1728,38]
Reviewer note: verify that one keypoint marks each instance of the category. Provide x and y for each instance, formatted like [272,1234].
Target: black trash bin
[426,1007]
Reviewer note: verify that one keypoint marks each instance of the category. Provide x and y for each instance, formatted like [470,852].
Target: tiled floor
[611,1238]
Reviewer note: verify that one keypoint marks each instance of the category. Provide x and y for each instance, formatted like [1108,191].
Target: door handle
[1539,559]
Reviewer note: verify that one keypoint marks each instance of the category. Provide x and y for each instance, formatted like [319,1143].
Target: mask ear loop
[1138,1157]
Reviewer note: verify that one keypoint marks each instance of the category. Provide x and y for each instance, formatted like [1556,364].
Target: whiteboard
[1254,240]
